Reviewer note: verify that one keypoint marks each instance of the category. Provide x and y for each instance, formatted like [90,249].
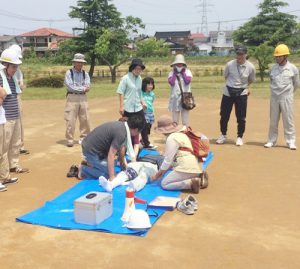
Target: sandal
[19,170]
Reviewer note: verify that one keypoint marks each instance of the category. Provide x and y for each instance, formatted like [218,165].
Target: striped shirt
[10,103]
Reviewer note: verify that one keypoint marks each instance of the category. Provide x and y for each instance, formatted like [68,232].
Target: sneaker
[19,170]
[151,146]
[185,207]
[193,201]
[73,172]
[80,140]
[70,143]
[203,180]
[292,146]
[195,185]
[24,151]
[239,141]
[2,187]
[11,180]
[269,145]
[221,139]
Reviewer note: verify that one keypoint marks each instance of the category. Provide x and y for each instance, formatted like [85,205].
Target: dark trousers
[143,132]
[240,105]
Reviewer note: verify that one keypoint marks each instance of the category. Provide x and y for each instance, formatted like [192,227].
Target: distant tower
[203,9]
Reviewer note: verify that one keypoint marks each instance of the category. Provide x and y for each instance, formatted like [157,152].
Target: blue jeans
[96,167]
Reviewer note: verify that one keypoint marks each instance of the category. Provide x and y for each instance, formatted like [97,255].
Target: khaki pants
[4,165]
[77,106]
[13,142]
[21,121]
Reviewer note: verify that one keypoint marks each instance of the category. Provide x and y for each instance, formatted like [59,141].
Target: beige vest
[185,161]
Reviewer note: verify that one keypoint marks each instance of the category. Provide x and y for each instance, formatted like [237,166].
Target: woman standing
[130,95]
[180,74]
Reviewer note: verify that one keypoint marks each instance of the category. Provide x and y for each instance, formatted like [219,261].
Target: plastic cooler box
[93,208]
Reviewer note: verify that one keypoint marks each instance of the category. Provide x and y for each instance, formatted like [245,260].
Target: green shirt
[130,87]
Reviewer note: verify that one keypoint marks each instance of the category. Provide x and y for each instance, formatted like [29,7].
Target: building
[178,41]
[221,42]
[7,40]
[44,39]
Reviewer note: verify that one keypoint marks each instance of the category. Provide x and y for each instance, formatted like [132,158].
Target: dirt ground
[248,216]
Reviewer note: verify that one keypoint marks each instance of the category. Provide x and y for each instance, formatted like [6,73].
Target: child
[148,95]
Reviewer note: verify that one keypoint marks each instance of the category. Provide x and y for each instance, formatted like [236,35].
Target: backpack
[72,74]
[200,144]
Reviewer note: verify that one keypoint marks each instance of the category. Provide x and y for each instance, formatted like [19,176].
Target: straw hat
[78,57]
[179,59]
[165,125]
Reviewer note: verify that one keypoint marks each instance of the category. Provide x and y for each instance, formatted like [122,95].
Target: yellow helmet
[281,50]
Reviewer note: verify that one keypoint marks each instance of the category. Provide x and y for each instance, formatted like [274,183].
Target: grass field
[207,71]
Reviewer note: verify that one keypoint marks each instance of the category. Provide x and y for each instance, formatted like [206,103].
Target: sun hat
[136,62]
[78,57]
[165,125]
[179,59]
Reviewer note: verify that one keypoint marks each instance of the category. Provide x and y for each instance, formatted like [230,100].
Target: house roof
[197,35]
[46,32]
[172,34]
[7,38]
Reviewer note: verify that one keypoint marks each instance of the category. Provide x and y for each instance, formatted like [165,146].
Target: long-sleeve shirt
[78,84]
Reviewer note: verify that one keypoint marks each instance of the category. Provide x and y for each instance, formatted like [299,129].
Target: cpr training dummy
[135,175]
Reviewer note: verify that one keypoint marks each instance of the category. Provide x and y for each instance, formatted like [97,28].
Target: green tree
[98,17]
[151,48]
[270,25]
[263,55]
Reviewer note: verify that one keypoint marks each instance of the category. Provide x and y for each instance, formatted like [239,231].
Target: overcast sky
[19,16]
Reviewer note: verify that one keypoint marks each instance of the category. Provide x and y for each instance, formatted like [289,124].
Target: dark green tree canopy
[270,26]
[99,18]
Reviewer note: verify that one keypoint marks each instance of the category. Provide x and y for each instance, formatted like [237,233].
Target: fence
[105,73]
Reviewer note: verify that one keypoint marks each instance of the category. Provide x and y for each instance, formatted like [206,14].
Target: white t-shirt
[2,115]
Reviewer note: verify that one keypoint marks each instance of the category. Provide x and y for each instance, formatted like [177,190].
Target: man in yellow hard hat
[284,79]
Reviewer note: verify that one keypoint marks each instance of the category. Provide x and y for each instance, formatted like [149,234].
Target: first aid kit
[93,208]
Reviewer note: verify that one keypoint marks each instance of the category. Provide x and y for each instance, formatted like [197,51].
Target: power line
[21,17]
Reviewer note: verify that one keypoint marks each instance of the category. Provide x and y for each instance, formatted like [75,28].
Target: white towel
[129,146]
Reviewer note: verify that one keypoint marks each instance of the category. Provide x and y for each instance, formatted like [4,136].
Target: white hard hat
[10,56]
[138,220]
[17,49]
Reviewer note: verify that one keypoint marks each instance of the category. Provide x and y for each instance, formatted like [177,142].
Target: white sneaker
[239,141]
[221,139]
[292,146]
[269,145]
[3,187]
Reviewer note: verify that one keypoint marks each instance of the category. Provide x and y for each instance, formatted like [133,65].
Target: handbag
[234,92]
[187,98]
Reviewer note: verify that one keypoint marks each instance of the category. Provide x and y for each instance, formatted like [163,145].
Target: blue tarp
[59,212]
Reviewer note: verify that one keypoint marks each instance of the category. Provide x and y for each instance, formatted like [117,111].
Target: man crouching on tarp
[101,146]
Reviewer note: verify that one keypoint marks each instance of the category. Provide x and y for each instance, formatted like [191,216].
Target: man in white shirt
[284,79]
[78,83]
